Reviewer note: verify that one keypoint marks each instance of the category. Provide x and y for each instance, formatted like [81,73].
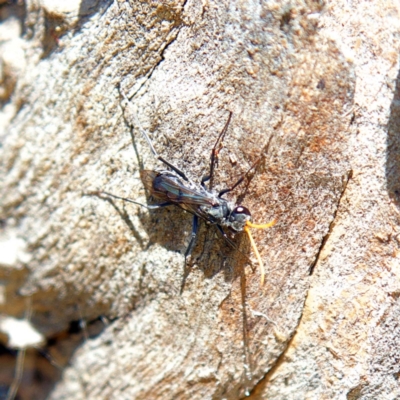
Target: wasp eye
[242,210]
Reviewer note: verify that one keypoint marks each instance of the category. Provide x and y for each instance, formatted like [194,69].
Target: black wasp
[173,187]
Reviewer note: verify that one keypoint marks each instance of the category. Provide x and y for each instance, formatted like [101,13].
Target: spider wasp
[173,187]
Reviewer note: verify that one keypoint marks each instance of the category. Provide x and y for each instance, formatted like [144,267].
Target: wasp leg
[214,154]
[241,179]
[195,227]
[232,244]
[150,207]
[189,249]
[225,236]
[153,150]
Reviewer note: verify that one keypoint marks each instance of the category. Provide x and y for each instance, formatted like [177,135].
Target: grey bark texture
[313,89]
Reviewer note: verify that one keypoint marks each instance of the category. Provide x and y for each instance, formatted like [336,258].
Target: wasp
[173,187]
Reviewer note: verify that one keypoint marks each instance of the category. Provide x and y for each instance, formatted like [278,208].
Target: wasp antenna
[262,226]
[253,244]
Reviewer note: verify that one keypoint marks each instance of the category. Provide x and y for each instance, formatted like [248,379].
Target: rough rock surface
[313,89]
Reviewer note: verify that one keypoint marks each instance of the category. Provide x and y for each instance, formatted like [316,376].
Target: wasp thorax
[238,218]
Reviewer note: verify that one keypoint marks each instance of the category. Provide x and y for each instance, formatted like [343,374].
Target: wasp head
[238,218]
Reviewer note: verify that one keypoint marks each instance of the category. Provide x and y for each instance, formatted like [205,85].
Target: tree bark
[313,91]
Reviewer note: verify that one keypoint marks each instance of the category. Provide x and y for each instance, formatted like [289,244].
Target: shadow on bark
[393,147]
[57,25]
[42,368]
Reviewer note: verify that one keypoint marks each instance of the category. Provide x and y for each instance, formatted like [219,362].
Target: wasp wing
[166,186]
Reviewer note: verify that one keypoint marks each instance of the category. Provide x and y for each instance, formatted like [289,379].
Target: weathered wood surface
[318,80]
